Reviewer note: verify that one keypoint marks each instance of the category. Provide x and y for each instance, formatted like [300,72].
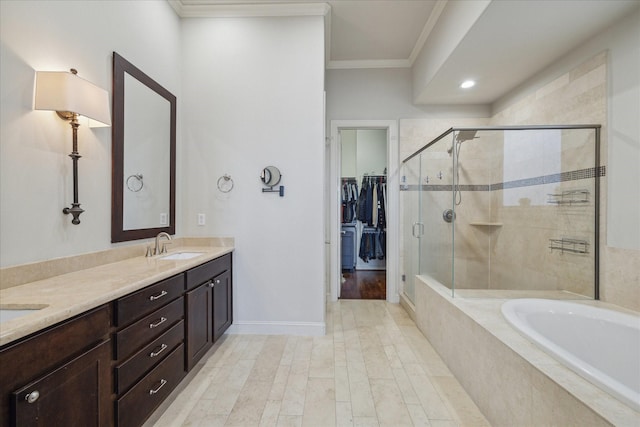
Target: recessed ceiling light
[467,84]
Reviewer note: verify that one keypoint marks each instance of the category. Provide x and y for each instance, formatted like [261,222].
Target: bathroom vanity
[61,376]
[115,362]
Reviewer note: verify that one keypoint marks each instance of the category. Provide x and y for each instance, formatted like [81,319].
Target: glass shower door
[437,209]
[411,201]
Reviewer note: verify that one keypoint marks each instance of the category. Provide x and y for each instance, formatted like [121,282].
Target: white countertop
[70,294]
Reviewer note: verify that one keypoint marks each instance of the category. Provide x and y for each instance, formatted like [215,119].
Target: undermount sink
[13,312]
[181,256]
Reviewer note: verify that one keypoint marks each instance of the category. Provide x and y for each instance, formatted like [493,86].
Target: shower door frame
[597,165]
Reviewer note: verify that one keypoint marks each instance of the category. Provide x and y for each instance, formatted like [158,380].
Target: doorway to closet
[334,205]
[363,213]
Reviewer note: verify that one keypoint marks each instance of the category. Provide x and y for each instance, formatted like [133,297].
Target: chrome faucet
[161,249]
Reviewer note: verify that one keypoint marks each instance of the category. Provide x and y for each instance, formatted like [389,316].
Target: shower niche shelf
[576,246]
[569,197]
[485,224]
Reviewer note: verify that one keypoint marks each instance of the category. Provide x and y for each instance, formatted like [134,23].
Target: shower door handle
[420,229]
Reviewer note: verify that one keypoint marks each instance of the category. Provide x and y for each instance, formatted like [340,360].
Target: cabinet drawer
[148,328]
[139,303]
[201,274]
[135,367]
[139,402]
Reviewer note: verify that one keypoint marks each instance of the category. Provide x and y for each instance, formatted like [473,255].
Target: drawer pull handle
[163,347]
[162,383]
[32,397]
[158,323]
[160,295]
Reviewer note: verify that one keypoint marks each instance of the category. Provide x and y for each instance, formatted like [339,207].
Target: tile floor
[373,368]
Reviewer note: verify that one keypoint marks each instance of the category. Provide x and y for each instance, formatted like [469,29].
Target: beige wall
[580,96]
[522,260]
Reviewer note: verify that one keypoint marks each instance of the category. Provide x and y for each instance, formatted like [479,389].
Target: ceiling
[508,43]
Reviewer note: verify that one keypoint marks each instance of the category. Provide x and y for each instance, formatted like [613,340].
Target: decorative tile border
[527,182]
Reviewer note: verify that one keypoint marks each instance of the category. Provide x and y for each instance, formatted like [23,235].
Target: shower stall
[504,211]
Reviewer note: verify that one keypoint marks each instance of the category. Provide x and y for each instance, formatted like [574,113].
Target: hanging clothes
[372,212]
[364,203]
[373,245]
[371,209]
[381,216]
[349,190]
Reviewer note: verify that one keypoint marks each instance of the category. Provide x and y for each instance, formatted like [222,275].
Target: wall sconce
[71,96]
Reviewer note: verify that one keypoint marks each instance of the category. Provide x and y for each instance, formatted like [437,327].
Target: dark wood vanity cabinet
[82,382]
[148,349]
[115,364]
[59,376]
[222,303]
[199,323]
[209,306]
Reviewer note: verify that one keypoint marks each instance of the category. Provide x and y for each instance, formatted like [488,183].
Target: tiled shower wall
[577,97]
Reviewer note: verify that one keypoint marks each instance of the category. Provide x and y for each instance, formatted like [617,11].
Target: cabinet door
[75,394]
[199,315]
[222,304]
[24,361]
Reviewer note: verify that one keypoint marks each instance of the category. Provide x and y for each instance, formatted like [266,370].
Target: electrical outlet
[163,219]
[202,219]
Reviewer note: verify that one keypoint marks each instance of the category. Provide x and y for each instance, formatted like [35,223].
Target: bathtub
[602,346]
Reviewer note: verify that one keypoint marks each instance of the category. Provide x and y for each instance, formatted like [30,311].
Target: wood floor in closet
[364,284]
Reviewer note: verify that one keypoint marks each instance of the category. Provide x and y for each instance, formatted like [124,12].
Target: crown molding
[426,30]
[395,63]
[368,63]
[248,10]
[327,37]
[216,10]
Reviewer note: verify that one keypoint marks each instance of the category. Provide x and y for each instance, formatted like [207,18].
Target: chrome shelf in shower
[575,246]
[569,197]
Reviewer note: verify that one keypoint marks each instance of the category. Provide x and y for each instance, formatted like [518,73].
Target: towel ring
[136,184]
[225,183]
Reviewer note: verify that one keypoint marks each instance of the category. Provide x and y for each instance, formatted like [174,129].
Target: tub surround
[511,380]
[69,287]
[608,356]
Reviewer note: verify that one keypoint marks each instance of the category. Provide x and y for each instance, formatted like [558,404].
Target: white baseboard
[278,328]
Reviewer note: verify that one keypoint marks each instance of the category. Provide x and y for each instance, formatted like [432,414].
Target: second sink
[9,312]
[181,255]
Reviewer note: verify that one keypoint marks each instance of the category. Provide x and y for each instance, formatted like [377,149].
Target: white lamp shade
[64,91]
